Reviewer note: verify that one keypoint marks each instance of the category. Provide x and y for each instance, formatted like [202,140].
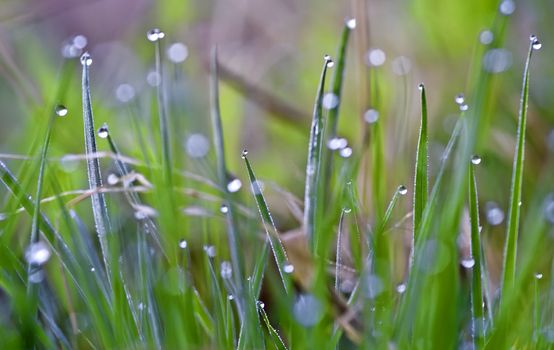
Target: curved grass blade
[421,182]
[314,160]
[272,236]
[232,232]
[99,207]
[275,337]
[476,279]
[510,248]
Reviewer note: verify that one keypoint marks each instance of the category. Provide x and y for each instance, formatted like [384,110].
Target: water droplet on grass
[375,57]
[495,215]
[112,179]
[307,310]
[351,23]
[421,86]
[153,78]
[476,159]
[330,63]
[224,209]
[459,99]
[486,37]
[507,7]
[183,244]
[92,269]
[401,288]
[210,250]
[330,100]
[535,42]
[468,263]
[60,110]
[155,34]
[261,304]
[371,116]
[124,93]
[402,190]
[103,131]
[464,107]
[288,267]
[347,210]
[38,253]
[538,276]
[337,143]
[197,145]
[177,52]
[346,152]
[226,270]
[234,185]
[244,153]
[86,60]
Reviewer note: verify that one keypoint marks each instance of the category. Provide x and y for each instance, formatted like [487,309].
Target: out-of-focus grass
[188,255]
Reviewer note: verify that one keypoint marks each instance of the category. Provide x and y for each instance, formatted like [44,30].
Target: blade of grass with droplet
[99,207]
[275,337]
[421,181]
[272,234]
[478,319]
[232,232]
[510,248]
[313,163]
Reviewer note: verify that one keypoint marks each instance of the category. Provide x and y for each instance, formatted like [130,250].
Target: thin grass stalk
[510,248]
[314,160]
[272,234]
[478,319]
[99,207]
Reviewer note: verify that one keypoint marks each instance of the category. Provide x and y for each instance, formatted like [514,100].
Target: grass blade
[421,182]
[232,232]
[476,279]
[275,337]
[314,159]
[510,248]
[271,231]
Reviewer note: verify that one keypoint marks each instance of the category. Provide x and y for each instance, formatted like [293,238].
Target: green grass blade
[271,231]
[275,337]
[314,159]
[421,182]
[476,279]
[510,248]
[99,207]
[232,232]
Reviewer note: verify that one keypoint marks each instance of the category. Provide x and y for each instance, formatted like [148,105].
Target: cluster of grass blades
[230,279]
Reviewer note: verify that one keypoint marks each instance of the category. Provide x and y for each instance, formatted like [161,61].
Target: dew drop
[459,99]
[401,288]
[476,160]
[183,244]
[346,152]
[468,263]
[507,7]
[244,153]
[464,107]
[375,57]
[535,42]
[421,86]
[288,267]
[538,276]
[351,23]
[226,270]
[92,269]
[103,131]
[520,203]
[36,276]
[86,60]
[155,34]
[112,179]
[230,297]
[234,185]
[495,215]
[261,304]
[307,310]
[80,41]
[153,78]
[124,93]
[224,209]
[371,116]
[60,110]
[197,145]
[486,37]
[347,210]
[337,143]
[402,190]
[329,62]
[177,52]
[37,253]
[330,100]
[210,250]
